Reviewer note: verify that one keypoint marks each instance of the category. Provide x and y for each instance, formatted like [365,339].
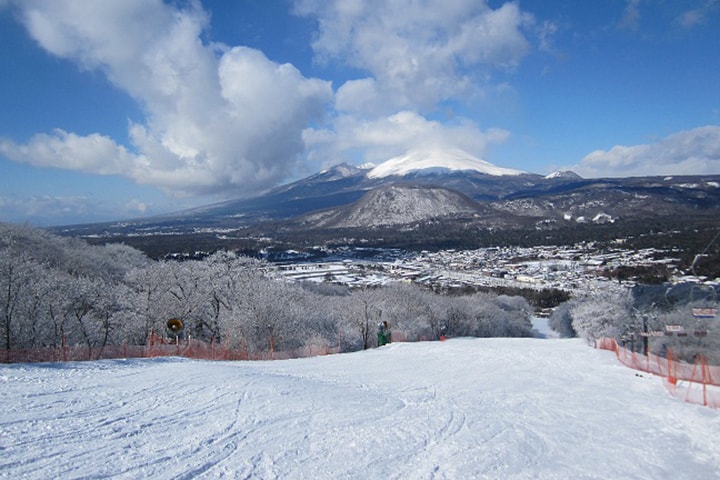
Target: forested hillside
[62,291]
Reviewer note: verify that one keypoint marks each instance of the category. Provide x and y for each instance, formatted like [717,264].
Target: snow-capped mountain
[437,161]
[433,189]
[565,174]
[338,172]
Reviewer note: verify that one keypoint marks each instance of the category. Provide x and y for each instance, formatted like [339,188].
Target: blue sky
[127,108]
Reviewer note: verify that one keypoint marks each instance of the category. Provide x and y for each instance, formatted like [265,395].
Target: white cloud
[220,119]
[419,53]
[215,117]
[92,154]
[698,15]
[363,95]
[381,138]
[691,152]
[137,206]
[415,56]
[631,16]
[46,210]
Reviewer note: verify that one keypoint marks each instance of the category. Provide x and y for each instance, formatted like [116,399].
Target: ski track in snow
[464,408]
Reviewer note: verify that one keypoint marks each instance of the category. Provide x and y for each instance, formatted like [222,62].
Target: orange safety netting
[698,383]
[159,346]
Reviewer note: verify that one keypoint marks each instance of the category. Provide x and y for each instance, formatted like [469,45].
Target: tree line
[639,319]
[58,291]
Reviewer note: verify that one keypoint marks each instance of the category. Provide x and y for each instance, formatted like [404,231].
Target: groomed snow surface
[459,409]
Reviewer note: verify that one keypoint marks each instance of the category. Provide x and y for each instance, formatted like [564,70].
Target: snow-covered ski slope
[460,409]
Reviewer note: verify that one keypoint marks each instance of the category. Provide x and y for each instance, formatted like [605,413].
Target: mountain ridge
[394,205]
[344,204]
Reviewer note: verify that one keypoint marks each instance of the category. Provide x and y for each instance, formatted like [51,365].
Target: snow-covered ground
[541,328]
[459,409]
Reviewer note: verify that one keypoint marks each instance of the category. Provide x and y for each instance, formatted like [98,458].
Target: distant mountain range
[452,190]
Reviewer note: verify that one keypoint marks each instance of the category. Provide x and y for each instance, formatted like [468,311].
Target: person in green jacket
[383,333]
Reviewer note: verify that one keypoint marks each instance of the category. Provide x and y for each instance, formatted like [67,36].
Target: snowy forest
[638,319]
[63,291]
[57,290]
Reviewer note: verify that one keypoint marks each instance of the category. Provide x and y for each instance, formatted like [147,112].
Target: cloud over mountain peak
[434,160]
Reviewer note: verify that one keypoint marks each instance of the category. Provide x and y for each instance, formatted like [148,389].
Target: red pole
[704,376]
[148,344]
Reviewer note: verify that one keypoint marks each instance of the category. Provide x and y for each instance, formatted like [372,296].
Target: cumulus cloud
[415,56]
[216,118]
[694,152]
[226,119]
[381,138]
[91,154]
[418,53]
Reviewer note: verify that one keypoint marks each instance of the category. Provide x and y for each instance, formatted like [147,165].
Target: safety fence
[697,383]
[196,349]
[71,353]
[159,347]
[401,336]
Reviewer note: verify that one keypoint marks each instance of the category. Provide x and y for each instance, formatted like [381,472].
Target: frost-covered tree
[229,279]
[144,302]
[459,319]
[58,291]
[602,315]
[83,299]
[185,296]
[514,315]
[561,320]
[21,285]
[489,319]
[54,289]
[363,311]
[16,275]
[408,308]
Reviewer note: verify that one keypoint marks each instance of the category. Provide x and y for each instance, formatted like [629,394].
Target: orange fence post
[692,376]
[672,367]
[704,367]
